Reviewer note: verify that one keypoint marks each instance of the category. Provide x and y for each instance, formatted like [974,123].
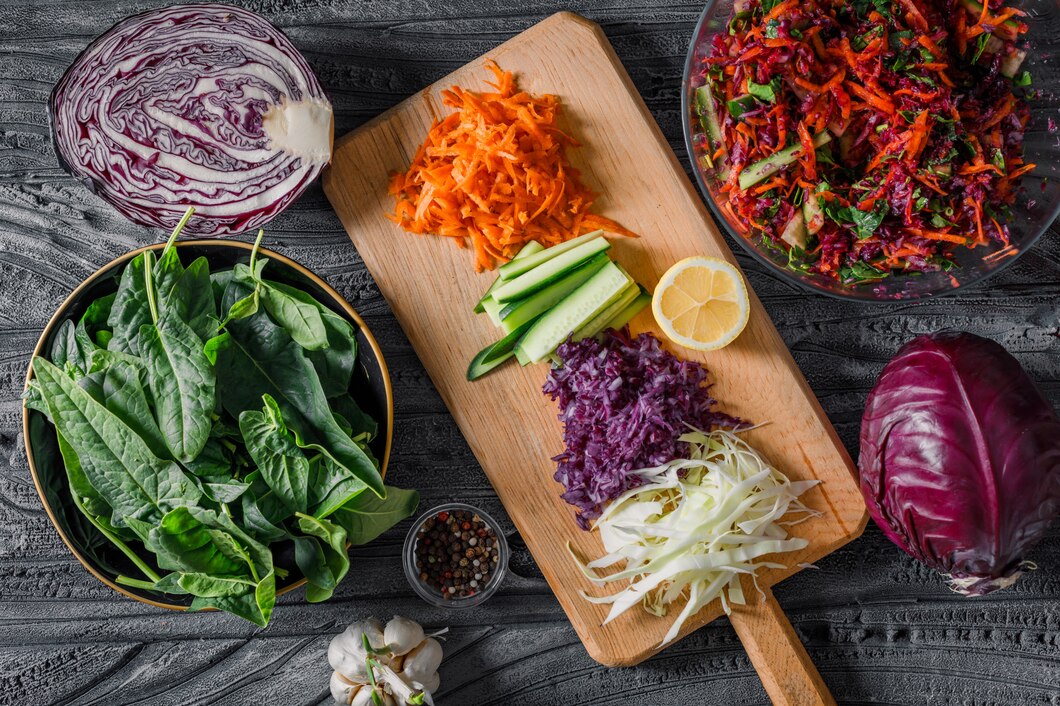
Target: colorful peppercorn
[456,554]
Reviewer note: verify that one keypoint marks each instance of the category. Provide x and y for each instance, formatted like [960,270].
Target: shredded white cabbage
[695,526]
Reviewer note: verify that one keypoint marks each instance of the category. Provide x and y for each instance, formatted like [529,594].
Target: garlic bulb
[401,659]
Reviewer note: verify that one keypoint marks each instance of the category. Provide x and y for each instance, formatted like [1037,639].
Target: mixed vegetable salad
[205,418]
[867,137]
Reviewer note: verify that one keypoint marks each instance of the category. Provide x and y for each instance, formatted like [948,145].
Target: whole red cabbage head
[960,459]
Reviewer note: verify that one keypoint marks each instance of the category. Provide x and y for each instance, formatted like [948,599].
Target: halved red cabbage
[201,105]
[960,459]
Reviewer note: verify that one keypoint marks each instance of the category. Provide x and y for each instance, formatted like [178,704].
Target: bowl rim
[850,295]
[59,315]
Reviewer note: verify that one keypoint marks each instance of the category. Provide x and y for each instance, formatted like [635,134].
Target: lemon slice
[701,303]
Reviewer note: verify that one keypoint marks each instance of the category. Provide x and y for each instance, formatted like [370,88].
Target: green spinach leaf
[255,606]
[115,383]
[213,346]
[301,319]
[116,461]
[130,309]
[185,542]
[204,585]
[321,555]
[182,382]
[67,351]
[191,300]
[367,516]
[334,363]
[264,359]
[281,463]
[330,486]
[263,512]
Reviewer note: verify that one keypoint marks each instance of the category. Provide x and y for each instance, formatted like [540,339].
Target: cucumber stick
[623,317]
[495,354]
[765,168]
[574,312]
[600,321]
[531,248]
[708,113]
[515,314]
[520,265]
[548,272]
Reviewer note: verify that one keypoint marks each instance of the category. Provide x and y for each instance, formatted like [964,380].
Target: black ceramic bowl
[370,387]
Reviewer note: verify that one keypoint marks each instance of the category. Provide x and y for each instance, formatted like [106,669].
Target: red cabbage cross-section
[202,105]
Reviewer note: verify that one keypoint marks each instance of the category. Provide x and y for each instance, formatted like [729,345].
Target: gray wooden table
[881,628]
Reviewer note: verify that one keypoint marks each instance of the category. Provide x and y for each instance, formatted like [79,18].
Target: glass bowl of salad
[879,149]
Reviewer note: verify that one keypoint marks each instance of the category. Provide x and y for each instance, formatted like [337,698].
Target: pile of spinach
[203,417]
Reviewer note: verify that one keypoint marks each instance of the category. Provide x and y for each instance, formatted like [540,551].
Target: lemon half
[701,303]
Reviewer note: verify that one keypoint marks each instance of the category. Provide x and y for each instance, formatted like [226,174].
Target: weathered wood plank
[880,628]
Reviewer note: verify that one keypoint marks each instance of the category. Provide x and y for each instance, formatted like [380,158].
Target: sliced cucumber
[772,164]
[794,233]
[495,354]
[598,322]
[531,248]
[493,310]
[519,313]
[811,211]
[588,300]
[511,270]
[545,274]
[708,113]
[626,315]
[1011,64]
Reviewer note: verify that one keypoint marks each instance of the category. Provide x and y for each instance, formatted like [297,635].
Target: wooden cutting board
[511,427]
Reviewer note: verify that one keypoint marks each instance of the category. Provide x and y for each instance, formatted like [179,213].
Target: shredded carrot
[877,101]
[1017,173]
[495,175]
[939,235]
[921,130]
[809,153]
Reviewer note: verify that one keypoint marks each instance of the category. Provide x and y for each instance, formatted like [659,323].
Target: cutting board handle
[786,670]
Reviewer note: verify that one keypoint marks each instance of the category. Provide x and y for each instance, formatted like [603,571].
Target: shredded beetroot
[623,403]
[907,117]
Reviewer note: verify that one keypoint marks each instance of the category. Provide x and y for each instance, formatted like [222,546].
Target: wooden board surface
[510,426]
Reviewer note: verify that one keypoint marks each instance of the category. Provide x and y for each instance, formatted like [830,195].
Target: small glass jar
[432,595]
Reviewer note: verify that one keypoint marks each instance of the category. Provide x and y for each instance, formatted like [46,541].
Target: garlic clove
[402,635]
[373,628]
[343,690]
[431,684]
[395,662]
[346,651]
[423,661]
[364,698]
[348,659]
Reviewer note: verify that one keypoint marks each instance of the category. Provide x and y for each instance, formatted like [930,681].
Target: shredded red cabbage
[623,403]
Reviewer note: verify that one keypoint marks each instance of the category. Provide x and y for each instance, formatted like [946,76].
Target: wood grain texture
[788,675]
[511,427]
[881,629]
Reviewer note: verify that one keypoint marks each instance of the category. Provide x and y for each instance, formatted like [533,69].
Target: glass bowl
[431,595]
[1037,203]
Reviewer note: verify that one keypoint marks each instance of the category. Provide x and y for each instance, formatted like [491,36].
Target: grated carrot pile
[495,174]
